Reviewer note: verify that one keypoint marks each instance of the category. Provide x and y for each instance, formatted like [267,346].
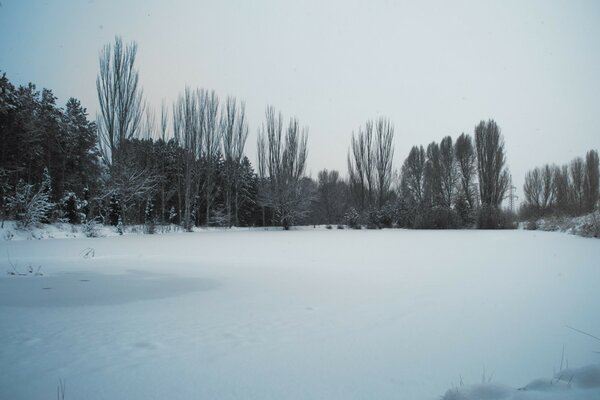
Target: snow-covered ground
[306,314]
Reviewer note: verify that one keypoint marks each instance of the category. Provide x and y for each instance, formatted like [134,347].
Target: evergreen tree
[149,218]
[70,206]
[46,190]
[114,210]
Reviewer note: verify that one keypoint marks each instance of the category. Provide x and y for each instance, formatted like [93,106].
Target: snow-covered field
[306,314]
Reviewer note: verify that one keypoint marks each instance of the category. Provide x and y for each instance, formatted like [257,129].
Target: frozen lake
[306,314]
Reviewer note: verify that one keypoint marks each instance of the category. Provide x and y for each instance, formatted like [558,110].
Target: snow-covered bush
[531,225]
[352,218]
[172,215]
[218,217]
[591,226]
[120,228]
[387,215]
[29,207]
[91,228]
[586,225]
[8,235]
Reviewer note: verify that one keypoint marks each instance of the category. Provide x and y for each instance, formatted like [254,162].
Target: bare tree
[532,189]
[413,176]
[448,172]
[491,164]
[263,177]
[361,166]
[432,177]
[577,172]
[282,162]
[591,181]
[548,199]
[370,161]
[163,134]
[234,132]
[384,156]
[121,103]
[148,127]
[562,185]
[210,145]
[120,120]
[187,119]
[331,197]
[465,158]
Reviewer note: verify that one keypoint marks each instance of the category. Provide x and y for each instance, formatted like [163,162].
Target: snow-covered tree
[172,215]
[149,218]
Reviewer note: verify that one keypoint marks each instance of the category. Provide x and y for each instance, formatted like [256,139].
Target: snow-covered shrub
[29,207]
[8,235]
[172,215]
[120,227]
[372,218]
[168,228]
[531,225]
[387,216]
[91,228]
[591,226]
[352,218]
[218,217]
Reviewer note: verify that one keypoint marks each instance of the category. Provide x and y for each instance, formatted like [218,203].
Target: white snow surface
[304,314]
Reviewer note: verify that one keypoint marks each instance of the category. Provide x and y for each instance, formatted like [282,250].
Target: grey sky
[433,68]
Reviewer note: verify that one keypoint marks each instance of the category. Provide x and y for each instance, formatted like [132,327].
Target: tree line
[567,190]
[186,165]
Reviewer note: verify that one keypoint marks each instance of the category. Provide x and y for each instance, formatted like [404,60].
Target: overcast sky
[433,68]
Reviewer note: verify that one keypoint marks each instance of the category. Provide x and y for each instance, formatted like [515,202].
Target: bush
[591,228]
[373,219]
[495,218]
[91,228]
[388,215]
[29,207]
[352,218]
[531,225]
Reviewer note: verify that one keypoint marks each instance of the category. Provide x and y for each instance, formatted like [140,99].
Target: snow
[570,384]
[308,313]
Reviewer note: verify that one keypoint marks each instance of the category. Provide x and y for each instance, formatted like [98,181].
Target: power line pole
[511,195]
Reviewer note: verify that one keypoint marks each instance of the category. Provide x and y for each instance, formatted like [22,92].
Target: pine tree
[70,206]
[46,193]
[149,219]
[247,194]
[114,210]
[172,215]
[85,204]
